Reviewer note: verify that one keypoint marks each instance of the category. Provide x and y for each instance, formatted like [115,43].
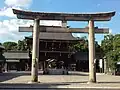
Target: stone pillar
[92,72]
[105,67]
[45,45]
[35,55]
[38,42]
[5,66]
[64,23]
[44,65]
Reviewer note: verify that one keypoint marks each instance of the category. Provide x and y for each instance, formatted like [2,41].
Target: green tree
[116,42]
[22,46]
[111,49]
[107,43]
[10,45]
[81,45]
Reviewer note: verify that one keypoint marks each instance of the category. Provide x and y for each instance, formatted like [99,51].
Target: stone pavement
[74,80]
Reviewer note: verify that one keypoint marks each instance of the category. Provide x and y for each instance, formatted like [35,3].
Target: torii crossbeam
[58,29]
[90,17]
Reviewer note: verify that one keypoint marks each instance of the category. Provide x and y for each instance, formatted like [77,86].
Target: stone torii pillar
[35,53]
[92,72]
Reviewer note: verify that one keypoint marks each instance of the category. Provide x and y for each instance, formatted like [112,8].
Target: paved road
[63,89]
[19,80]
[49,87]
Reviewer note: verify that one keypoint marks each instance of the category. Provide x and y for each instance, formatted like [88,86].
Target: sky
[9,23]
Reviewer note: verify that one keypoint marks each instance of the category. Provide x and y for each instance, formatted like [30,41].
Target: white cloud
[18,3]
[50,23]
[9,28]
[8,12]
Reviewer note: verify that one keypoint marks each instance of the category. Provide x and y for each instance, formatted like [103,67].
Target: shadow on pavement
[112,82]
[31,86]
[10,75]
[50,86]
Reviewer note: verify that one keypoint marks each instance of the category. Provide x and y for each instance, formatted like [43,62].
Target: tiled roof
[55,36]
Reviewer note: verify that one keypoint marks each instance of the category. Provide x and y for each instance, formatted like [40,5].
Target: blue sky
[61,6]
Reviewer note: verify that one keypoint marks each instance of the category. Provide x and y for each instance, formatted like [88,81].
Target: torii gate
[64,17]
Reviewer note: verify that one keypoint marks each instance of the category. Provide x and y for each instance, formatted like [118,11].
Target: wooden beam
[101,16]
[67,18]
[58,29]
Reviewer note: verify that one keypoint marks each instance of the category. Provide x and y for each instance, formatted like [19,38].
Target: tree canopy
[20,46]
[111,50]
[82,45]
[10,45]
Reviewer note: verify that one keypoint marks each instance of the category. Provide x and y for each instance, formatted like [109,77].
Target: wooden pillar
[35,56]
[45,45]
[64,23]
[92,72]
[60,44]
[52,46]
[44,65]
[6,67]
[38,45]
[105,66]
